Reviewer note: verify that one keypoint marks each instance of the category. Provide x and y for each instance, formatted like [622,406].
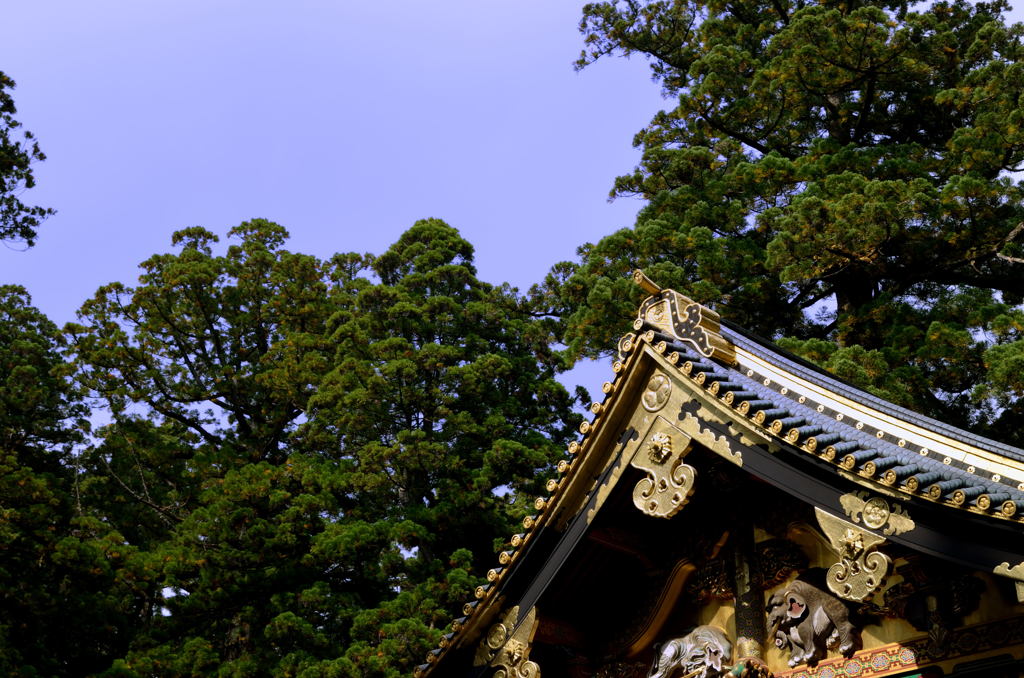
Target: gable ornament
[876,513]
[506,646]
[683,319]
[669,481]
[657,392]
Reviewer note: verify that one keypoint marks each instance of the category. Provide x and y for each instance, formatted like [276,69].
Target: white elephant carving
[702,653]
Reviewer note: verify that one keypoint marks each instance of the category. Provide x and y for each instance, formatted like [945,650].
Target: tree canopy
[63,609]
[839,176]
[307,459]
[18,150]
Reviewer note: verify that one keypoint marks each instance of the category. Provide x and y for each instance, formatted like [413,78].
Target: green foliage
[18,150]
[306,459]
[63,609]
[205,367]
[827,170]
[441,398]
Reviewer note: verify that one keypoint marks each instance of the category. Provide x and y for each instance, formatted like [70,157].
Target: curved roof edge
[769,351]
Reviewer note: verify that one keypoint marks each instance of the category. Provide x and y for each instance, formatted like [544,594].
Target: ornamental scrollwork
[669,481]
[1016,572]
[506,646]
[861,569]
[876,513]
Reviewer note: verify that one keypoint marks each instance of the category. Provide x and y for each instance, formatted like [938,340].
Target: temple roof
[789,423]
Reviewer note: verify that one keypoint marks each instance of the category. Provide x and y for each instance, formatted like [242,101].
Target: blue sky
[343,121]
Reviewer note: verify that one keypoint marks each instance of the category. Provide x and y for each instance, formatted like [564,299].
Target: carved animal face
[776,609]
[713,656]
[702,652]
[796,607]
[785,609]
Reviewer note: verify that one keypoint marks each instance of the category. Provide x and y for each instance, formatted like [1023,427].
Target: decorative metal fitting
[669,482]
[657,392]
[861,569]
[507,646]
[660,447]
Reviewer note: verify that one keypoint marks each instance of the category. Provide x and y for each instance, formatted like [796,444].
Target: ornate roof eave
[802,406]
[581,470]
[771,414]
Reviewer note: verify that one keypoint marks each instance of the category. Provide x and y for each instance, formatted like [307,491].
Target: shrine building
[732,510]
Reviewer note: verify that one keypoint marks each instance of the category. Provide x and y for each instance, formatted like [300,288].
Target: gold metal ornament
[657,393]
[682,318]
[1016,572]
[669,481]
[645,283]
[877,513]
[626,344]
[507,646]
[660,447]
[861,569]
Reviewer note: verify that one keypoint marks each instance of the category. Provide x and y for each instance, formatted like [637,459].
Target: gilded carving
[506,646]
[669,481]
[660,316]
[808,622]
[493,641]
[1015,572]
[666,489]
[876,513]
[684,319]
[657,393]
[861,569]
[626,344]
[645,283]
[660,447]
[719,444]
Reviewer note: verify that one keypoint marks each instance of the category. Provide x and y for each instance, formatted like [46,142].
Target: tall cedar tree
[18,150]
[63,608]
[267,552]
[835,172]
[205,368]
[442,401]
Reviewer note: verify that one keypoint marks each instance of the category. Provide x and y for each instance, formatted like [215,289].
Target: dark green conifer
[63,608]
[18,150]
[839,173]
[310,458]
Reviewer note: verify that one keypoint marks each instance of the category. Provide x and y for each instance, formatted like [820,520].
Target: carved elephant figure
[809,622]
[702,653]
